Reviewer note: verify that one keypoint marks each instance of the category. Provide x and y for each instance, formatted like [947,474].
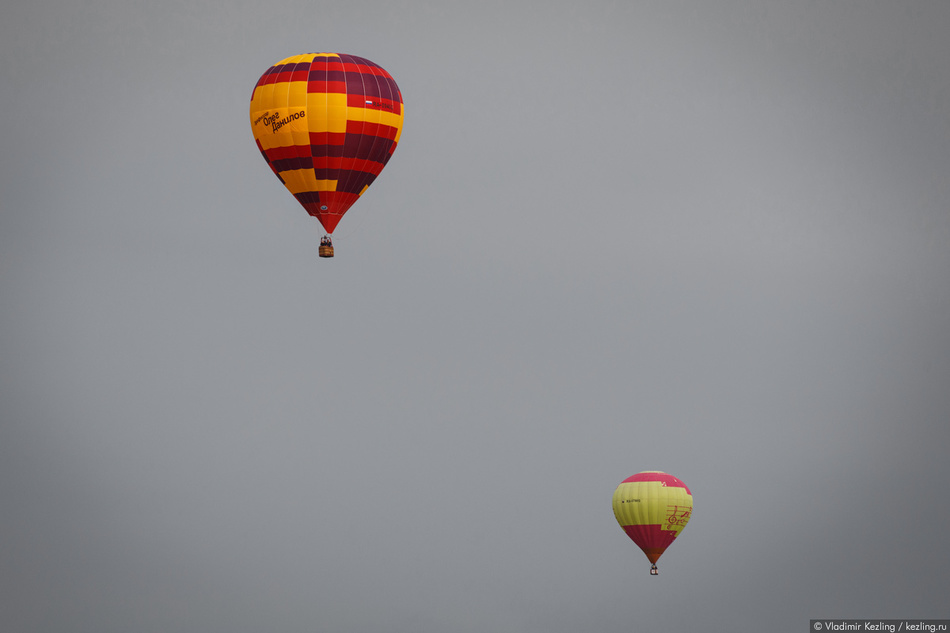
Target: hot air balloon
[652,508]
[326,124]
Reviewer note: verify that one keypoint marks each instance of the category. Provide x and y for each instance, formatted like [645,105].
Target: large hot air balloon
[326,124]
[652,508]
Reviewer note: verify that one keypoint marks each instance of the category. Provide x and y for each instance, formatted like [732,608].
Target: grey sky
[706,238]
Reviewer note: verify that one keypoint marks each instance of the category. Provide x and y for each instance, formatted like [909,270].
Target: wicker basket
[326,251]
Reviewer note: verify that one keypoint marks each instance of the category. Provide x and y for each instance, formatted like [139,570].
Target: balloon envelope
[652,507]
[327,124]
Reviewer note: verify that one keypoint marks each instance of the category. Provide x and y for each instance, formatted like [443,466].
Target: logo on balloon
[274,120]
[380,104]
[676,517]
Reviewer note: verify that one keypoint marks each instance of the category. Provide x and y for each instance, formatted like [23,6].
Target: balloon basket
[654,571]
[326,251]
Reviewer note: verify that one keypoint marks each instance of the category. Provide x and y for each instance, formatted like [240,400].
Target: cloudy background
[711,239]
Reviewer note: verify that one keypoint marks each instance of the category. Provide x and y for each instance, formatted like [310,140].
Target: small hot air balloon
[326,124]
[652,508]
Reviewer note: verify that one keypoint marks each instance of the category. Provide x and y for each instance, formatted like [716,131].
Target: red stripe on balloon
[652,539]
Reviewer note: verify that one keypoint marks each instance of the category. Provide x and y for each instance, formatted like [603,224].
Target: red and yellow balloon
[652,507]
[327,124]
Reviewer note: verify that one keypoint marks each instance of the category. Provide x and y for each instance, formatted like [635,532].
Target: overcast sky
[707,238]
